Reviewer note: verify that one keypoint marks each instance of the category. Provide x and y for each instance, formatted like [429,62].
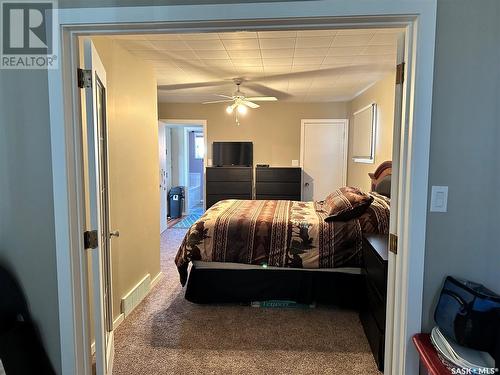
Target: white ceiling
[345,62]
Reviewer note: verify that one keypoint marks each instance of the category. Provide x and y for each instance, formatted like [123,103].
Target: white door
[162,153]
[96,116]
[168,168]
[394,337]
[323,156]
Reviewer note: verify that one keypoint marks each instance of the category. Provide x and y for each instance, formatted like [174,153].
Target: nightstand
[375,255]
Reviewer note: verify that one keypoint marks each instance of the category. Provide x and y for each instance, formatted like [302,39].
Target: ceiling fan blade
[218,101]
[262,98]
[225,96]
[181,86]
[250,104]
[261,89]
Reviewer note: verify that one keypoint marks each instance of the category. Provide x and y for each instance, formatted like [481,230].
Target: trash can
[175,202]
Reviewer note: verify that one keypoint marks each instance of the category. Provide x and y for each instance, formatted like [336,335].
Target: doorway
[323,157]
[415,142]
[182,145]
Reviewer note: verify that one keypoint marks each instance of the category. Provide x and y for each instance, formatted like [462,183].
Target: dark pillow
[384,186]
[346,203]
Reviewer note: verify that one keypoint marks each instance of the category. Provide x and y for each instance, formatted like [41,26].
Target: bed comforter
[278,233]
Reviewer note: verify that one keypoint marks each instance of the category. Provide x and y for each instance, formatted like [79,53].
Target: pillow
[384,186]
[346,203]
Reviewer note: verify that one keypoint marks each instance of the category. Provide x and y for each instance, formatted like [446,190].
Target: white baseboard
[119,319]
[136,295]
[156,279]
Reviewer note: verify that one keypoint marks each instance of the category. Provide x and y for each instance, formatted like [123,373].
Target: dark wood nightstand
[375,255]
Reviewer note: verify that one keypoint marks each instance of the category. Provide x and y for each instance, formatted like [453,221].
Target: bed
[258,250]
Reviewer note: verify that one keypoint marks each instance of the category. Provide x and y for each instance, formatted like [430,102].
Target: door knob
[115,233]
[306,184]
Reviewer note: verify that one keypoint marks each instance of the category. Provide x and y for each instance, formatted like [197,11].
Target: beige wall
[382,93]
[274,128]
[133,167]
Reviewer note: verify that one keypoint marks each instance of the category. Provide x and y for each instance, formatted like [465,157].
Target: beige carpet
[168,335]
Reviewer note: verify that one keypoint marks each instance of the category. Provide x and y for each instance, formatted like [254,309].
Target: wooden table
[428,355]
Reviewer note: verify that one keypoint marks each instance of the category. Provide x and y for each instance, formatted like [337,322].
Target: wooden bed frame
[208,285]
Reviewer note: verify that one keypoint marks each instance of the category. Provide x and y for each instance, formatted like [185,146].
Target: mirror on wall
[364,126]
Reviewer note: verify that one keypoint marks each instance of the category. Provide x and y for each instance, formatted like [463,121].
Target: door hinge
[84,78]
[90,239]
[393,243]
[400,73]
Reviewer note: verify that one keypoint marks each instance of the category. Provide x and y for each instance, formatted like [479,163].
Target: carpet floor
[166,334]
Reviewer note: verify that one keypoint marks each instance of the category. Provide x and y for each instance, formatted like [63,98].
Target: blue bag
[468,313]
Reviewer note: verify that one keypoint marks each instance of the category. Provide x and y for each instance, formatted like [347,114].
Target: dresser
[372,315]
[228,183]
[278,183]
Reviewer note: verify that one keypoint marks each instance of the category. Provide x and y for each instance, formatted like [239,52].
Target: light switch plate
[439,199]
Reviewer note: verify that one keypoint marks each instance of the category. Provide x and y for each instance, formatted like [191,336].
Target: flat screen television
[226,154]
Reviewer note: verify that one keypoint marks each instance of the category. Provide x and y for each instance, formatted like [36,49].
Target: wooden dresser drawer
[229,187]
[214,198]
[277,188]
[376,264]
[229,174]
[274,174]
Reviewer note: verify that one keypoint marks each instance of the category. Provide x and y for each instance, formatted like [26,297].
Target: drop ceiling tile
[250,70]
[338,60]
[277,43]
[306,33]
[277,61]
[379,50]
[131,44]
[374,59]
[204,45]
[277,34]
[199,36]
[247,62]
[383,38]
[314,42]
[239,35]
[218,63]
[277,53]
[212,54]
[308,60]
[277,69]
[345,51]
[244,54]
[172,45]
[304,68]
[310,52]
[179,55]
[356,32]
[241,44]
[352,40]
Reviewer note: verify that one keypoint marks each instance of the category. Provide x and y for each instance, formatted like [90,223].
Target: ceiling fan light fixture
[242,109]
[229,109]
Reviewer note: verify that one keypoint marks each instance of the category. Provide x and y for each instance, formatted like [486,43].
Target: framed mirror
[363,137]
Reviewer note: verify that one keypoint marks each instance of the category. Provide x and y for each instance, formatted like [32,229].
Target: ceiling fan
[240,101]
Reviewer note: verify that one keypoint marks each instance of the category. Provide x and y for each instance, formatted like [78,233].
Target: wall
[274,128]
[195,165]
[464,148]
[27,238]
[133,168]
[381,93]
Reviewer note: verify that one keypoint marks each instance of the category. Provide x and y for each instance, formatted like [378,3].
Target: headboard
[381,178]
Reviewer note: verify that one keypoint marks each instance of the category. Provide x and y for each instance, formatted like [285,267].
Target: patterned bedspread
[278,233]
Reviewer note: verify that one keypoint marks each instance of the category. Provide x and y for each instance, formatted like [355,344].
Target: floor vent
[136,295]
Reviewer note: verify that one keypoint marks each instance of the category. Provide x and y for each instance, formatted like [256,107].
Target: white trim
[66,142]
[186,123]
[345,124]
[156,280]
[118,320]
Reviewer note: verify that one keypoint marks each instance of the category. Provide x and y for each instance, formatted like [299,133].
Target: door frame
[303,122]
[188,124]
[66,140]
